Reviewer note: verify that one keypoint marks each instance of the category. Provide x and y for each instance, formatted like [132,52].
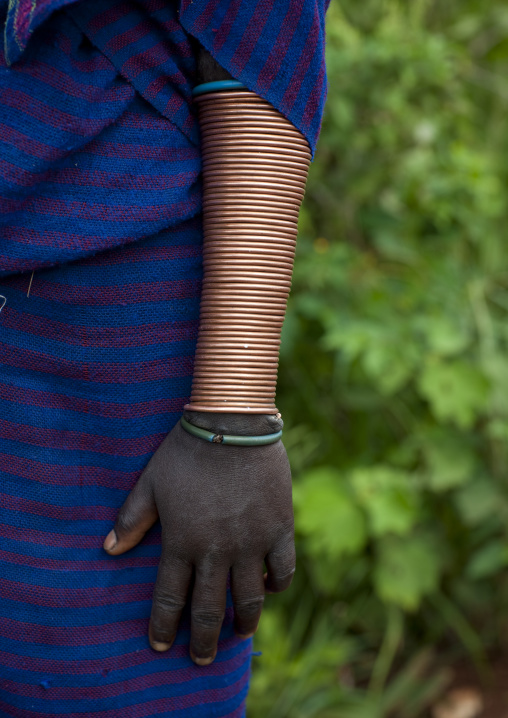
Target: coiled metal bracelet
[255,165]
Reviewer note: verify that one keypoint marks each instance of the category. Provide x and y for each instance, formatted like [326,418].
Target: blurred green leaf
[407,569]
[457,391]
[488,560]
[480,501]
[388,497]
[450,460]
[327,515]
[445,336]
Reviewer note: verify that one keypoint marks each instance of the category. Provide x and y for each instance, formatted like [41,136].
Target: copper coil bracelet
[255,165]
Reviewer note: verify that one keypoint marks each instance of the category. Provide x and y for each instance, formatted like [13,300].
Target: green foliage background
[394,371]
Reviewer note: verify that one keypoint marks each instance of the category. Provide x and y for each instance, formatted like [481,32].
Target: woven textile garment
[100,198]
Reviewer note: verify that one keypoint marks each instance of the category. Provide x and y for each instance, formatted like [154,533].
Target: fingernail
[160,646]
[245,636]
[110,540]
[202,661]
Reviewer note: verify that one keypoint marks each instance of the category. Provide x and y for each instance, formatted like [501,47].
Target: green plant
[394,367]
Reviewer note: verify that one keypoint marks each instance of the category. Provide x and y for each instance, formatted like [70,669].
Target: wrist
[238,424]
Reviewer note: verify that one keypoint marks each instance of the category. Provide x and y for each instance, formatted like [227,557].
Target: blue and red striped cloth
[100,266]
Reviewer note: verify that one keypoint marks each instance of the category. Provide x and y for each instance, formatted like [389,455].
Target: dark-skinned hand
[222,508]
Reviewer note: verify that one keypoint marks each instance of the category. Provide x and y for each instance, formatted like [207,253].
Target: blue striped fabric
[275,47]
[100,265]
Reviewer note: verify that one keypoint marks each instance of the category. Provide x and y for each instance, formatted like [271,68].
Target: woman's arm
[227,509]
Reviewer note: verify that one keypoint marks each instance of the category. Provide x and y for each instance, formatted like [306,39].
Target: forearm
[255,166]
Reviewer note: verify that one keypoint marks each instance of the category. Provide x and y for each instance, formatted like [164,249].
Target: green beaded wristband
[229,438]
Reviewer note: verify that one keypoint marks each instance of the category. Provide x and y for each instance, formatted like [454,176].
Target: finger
[169,597]
[248,591]
[208,608]
[136,516]
[280,564]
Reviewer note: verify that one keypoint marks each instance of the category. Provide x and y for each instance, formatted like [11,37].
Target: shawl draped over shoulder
[71,73]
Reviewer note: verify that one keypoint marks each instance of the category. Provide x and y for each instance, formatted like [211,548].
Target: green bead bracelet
[229,438]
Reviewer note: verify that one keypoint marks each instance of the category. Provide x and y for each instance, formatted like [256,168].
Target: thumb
[137,515]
